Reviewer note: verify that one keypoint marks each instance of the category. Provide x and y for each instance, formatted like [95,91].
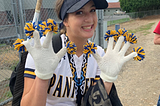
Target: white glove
[110,64]
[44,57]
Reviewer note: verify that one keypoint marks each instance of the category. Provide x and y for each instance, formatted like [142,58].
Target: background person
[157,34]
[157,42]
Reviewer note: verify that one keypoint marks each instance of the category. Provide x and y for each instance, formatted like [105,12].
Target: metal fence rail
[114,19]
[14,14]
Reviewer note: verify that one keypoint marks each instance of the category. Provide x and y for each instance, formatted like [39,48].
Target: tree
[139,5]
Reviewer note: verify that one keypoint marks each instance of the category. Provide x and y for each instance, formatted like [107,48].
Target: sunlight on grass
[142,28]
[118,21]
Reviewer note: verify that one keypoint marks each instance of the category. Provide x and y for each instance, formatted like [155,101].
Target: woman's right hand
[43,55]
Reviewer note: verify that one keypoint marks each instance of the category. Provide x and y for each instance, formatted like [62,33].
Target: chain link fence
[13,16]
[8,57]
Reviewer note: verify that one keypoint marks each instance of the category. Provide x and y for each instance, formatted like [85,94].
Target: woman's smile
[87,28]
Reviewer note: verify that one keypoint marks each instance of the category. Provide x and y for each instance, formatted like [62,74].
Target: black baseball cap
[70,6]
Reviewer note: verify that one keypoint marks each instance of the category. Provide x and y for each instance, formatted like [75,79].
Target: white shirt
[61,86]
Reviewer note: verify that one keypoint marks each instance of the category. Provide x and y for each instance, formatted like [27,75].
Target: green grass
[143,28]
[117,21]
[14,64]
[4,90]
[2,44]
[5,48]
[7,95]
[7,85]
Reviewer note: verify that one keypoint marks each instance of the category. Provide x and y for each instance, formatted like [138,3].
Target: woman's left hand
[111,63]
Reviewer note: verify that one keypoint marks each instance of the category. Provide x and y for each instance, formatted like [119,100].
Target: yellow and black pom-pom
[18,46]
[48,25]
[89,48]
[122,32]
[140,53]
[71,47]
[29,29]
[111,33]
[130,37]
[43,28]
[52,25]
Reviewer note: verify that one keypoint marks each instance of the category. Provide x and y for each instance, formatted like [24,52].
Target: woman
[63,81]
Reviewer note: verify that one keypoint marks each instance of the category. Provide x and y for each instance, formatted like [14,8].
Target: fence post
[117,26]
[100,26]
[104,31]
[96,36]
[21,19]
[15,16]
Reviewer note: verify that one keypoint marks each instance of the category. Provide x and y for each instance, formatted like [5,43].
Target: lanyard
[79,83]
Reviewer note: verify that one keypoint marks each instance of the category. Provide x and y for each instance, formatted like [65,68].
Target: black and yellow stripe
[29,73]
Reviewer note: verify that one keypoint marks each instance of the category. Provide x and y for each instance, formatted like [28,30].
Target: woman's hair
[59,4]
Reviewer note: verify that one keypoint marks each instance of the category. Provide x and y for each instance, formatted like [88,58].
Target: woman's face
[82,23]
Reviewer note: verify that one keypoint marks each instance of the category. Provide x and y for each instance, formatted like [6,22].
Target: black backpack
[16,83]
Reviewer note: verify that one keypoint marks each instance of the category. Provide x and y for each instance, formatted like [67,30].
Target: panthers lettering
[52,82]
[68,86]
[58,87]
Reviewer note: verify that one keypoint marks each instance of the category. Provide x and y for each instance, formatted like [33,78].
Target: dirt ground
[139,82]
